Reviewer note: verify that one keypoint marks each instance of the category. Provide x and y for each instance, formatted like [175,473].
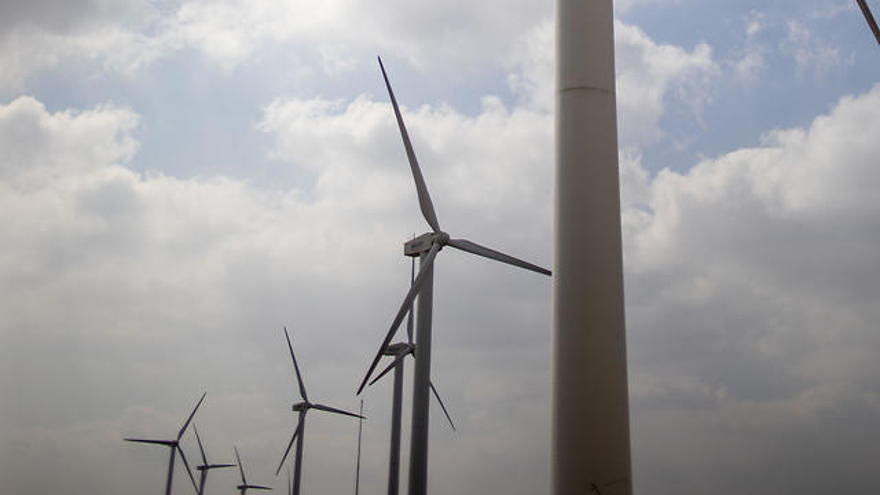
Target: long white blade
[289,445]
[240,467]
[442,405]
[193,413]
[869,17]
[425,203]
[188,470]
[322,407]
[474,248]
[299,380]
[407,302]
[201,448]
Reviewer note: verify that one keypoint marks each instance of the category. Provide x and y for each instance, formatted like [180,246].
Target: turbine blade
[407,303]
[425,203]
[397,359]
[201,448]
[872,23]
[218,466]
[259,487]
[289,445]
[188,470]
[240,467]
[409,319]
[193,413]
[442,406]
[167,443]
[302,387]
[322,407]
[474,248]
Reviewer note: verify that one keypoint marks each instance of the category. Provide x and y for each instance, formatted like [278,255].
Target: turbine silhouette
[205,467]
[245,486]
[174,445]
[426,247]
[303,408]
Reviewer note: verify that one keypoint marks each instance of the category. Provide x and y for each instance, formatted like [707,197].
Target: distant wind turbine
[400,351]
[174,445]
[245,486]
[302,408]
[205,467]
[426,247]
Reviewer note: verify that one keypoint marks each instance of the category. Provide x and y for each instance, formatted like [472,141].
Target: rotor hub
[300,407]
[396,349]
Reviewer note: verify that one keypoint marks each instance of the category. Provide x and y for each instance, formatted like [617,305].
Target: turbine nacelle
[398,349]
[301,406]
[423,243]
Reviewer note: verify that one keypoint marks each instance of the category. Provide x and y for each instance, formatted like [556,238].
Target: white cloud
[227,32]
[811,53]
[145,289]
[650,74]
[751,285]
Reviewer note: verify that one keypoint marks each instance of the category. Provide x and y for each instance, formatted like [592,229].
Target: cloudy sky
[180,179]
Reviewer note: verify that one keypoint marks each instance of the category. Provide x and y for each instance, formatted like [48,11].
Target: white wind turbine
[245,486]
[302,408]
[426,247]
[174,445]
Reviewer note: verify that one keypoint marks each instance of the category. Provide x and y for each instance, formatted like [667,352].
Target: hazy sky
[180,179]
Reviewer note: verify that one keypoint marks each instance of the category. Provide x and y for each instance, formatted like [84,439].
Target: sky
[181,179]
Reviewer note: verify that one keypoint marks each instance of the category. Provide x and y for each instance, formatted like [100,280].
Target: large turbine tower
[400,351]
[426,247]
[590,446]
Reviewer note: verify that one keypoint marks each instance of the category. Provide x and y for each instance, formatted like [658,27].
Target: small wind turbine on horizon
[426,247]
[245,486]
[400,350]
[174,445]
[302,408]
[205,467]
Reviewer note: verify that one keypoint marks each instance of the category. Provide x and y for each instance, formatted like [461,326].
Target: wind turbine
[869,17]
[302,408]
[174,445]
[205,467]
[400,350]
[426,247]
[244,486]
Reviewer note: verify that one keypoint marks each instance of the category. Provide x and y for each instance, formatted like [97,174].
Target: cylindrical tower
[590,450]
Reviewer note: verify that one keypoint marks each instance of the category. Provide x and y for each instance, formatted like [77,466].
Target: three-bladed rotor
[205,466]
[428,245]
[174,445]
[303,407]
[245,486]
